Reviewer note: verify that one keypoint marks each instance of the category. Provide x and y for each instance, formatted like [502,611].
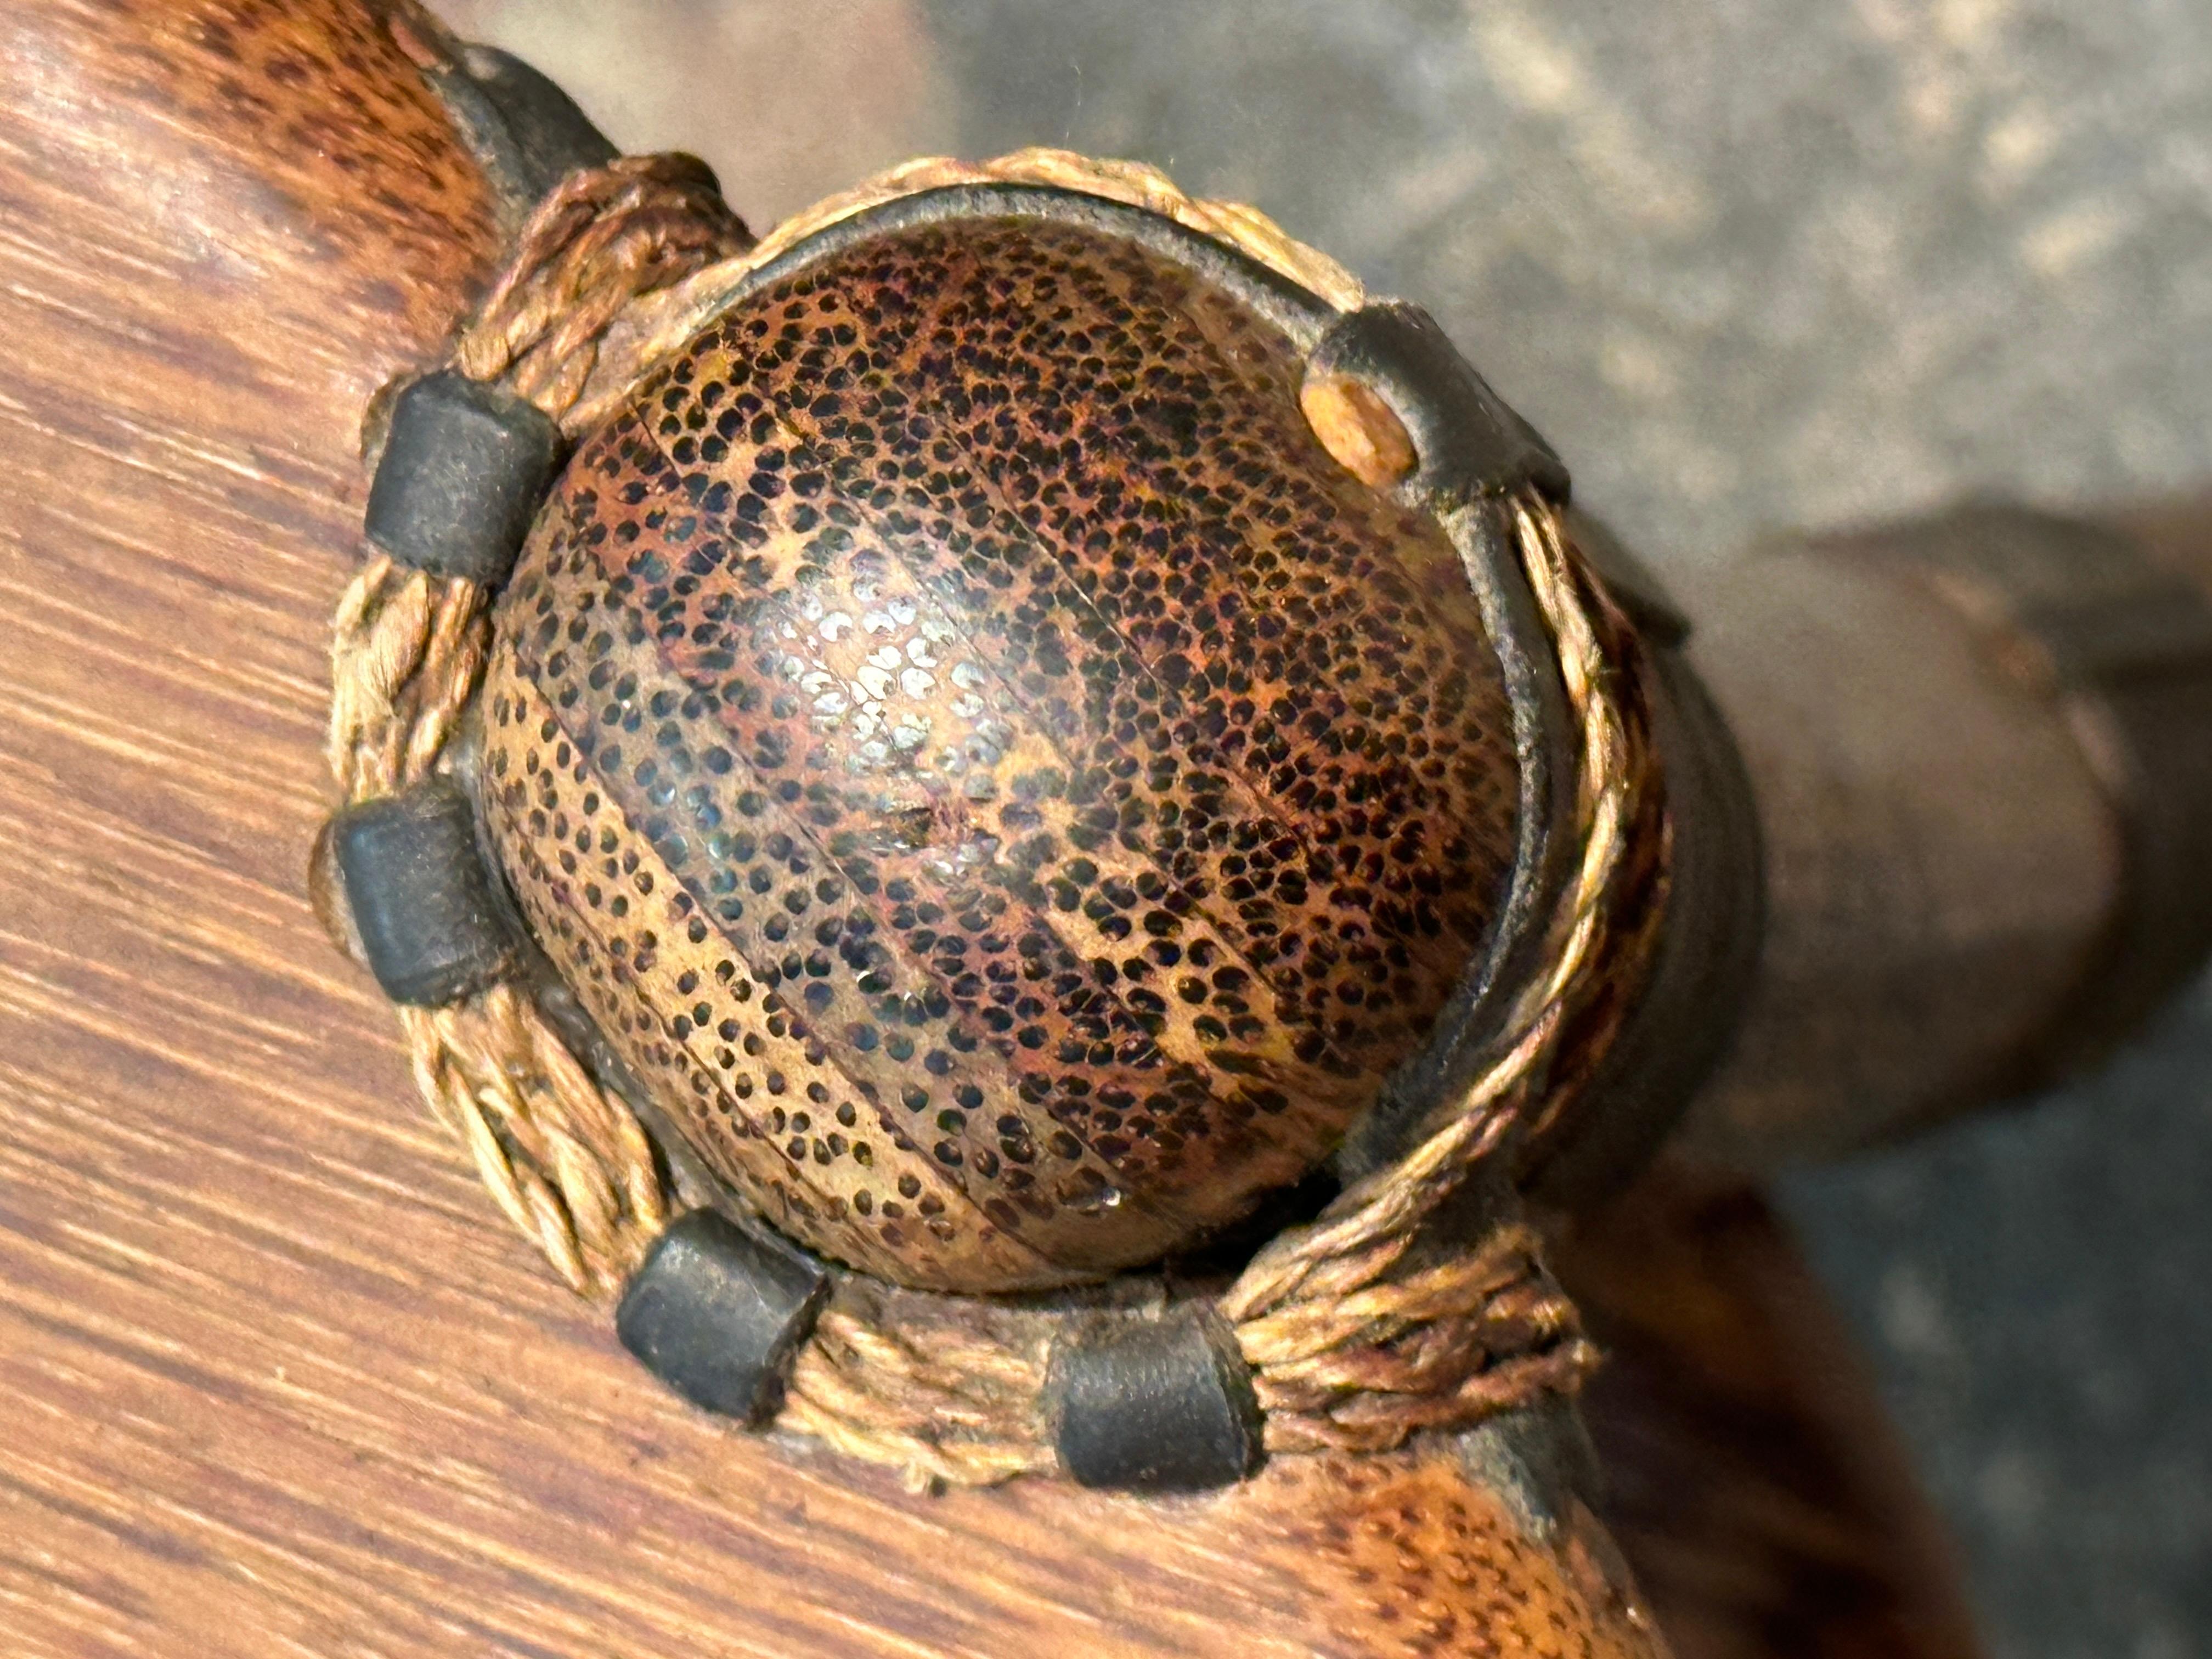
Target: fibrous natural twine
[1357,1339]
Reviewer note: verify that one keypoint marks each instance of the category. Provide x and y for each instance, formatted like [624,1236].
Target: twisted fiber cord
[1353,1346]
[566,1160]
[605,237]
[406,650]
[1435,1349]
[953,1401]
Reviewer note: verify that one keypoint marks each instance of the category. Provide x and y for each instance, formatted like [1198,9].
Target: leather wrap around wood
[274,1377]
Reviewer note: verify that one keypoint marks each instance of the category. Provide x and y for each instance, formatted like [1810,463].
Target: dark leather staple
[463,470]
[1154,1405]
[716,1312]
[1470,442]
[540,134]
[421,903]
[524,132]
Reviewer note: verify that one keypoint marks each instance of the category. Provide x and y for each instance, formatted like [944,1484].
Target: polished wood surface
[275,1377]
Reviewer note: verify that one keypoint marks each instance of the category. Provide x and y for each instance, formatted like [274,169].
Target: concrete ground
[1749,264]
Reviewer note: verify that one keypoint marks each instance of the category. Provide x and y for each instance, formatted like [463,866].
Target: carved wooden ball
[1009,792]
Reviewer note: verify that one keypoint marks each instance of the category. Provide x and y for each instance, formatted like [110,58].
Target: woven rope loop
[1359,1336]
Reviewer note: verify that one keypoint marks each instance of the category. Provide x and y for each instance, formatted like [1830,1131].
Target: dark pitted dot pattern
[1010,794]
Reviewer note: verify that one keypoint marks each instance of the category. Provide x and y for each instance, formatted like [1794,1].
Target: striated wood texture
[275,1378]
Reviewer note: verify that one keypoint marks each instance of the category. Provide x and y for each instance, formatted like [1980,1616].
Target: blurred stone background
[1750,265]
